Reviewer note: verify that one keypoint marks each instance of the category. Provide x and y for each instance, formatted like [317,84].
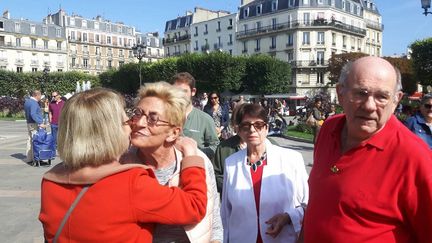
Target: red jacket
[122,206]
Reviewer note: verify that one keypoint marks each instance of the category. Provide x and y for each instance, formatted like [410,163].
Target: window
[96,25]
[244,47]
[353,43]
[290,3]
[97,39]
[196,31]
[306,18]
[205,29]
[85,37]
[85,62]
[258,25]
[258,44]
[218,26]
[359,44]
[320,1]
[17,27]
[45,44]
[34,70]
[58,32]
[19,69]
[245,27]
[109,27]
[59,45]
[72,36]
[343,4]
[84,23]
[246,12]
[290,56]
[187,21]
[33,43]
[45,30]
[120,53]
[32,29]
[230,22]
[320,57]
[290,39]
[230,39]
[274,23]
[108,39]
[120,41]
[273,42]
[274,5]
[320,78]
[18,42]
[333,39]
[305,2]
[344,41]
[97,51]
[196,46]
[72,21]
[259,9]
[320,39]
[73,62]
[109,52]
[378,37]
[1,24]
[306,38]
[109,64]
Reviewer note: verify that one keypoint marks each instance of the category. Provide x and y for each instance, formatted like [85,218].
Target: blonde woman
[120,203]
[157,123]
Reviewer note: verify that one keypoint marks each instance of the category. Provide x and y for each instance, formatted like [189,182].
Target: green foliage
[266,75]
[216,71]
[337,61]
[409,84]
[422,60]
[20,84]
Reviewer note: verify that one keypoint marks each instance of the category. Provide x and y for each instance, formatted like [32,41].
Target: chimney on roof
[6,14]
[99,18]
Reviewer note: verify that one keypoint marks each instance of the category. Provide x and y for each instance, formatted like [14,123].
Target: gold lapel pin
[334,169]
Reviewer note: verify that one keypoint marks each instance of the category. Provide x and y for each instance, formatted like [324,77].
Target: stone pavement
[20,184]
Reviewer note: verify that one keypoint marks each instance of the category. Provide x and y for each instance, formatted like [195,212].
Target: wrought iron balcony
[309,63]
[176,39]
[318,23]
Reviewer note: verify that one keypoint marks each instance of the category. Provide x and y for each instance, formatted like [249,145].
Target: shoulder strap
[68,213]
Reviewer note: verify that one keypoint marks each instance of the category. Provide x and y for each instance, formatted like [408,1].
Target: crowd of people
[164,172]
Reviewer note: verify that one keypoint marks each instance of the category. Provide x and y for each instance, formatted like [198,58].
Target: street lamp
[426,5]
[139,51]
[44,78]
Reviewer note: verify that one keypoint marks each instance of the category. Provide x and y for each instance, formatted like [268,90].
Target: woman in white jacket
[265,186]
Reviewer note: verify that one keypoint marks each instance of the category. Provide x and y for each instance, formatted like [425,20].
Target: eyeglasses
[152,118]
[246,126]
[427,106]
[214,97]
[359,96]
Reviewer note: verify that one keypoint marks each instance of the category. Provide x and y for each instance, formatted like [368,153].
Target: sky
[403,20]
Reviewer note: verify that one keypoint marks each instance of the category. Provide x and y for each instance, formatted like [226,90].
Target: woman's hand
[187,146]
[276,223]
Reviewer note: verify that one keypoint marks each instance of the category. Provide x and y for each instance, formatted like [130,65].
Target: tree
[216,71]
[337,61]
[422,60]
[266,75]
[409,84]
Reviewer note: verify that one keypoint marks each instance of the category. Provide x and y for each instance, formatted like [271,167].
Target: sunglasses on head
[214,97]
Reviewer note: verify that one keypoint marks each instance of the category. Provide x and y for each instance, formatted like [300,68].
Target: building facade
[178,32]
[306,33]
[95,45]
[154,51]
[27,46]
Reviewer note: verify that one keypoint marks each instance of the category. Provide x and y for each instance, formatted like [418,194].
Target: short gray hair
[346,69]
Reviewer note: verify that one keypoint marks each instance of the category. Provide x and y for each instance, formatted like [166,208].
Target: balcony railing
[318,23]
[176,39]
[46,63]
[229,27]
[19,61]
[29,47]
[205,47]
[34,63]
[374,25]
[309,63]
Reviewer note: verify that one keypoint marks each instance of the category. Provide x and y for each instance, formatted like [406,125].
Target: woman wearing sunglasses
[218,112]
[265,186]
[157,123]
[91,197]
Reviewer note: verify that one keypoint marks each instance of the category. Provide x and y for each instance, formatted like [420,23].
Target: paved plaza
[20,183]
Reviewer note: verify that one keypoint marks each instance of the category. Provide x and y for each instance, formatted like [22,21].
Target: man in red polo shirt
[372,178]
[55,108]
